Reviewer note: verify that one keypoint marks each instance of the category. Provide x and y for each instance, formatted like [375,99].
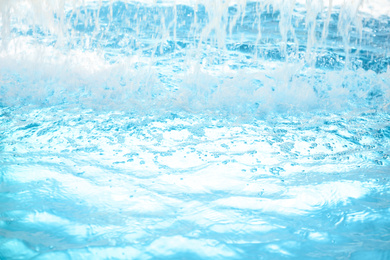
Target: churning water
[204,129]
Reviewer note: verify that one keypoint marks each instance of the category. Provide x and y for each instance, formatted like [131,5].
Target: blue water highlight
[194,129]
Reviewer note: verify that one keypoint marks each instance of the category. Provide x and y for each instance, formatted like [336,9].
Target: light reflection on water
[108,185]
[194,130]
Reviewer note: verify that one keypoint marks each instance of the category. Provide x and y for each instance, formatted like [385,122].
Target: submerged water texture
[194,129]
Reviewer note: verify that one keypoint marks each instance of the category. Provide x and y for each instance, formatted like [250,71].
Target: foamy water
[194,129]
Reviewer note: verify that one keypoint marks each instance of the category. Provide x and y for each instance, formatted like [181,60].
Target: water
[194,129]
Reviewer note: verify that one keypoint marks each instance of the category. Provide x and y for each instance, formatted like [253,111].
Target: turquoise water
[194,129]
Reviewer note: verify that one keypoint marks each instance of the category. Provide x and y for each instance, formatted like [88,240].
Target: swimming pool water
[194,129]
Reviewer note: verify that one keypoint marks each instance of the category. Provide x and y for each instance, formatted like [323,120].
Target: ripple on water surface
[80,184]
[194,129]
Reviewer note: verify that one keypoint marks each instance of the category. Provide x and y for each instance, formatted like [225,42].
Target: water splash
[198,56]
[194,129]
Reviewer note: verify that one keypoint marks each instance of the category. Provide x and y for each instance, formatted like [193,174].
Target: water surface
[194,129]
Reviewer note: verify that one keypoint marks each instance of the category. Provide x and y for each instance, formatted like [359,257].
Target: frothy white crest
[192,55]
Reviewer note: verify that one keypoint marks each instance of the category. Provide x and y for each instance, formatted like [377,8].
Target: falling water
[205,129]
